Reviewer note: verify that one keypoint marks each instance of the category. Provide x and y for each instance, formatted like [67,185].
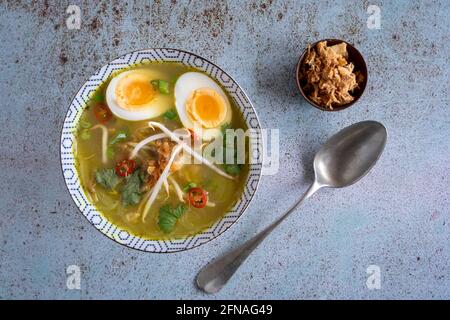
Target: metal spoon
[344,159]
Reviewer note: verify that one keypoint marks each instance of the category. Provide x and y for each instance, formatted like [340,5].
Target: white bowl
[70,171]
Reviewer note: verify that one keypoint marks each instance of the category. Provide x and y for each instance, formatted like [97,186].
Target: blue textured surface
[397,217]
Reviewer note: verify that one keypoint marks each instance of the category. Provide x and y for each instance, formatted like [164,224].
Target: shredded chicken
[328,75]
[155,166]
[189,150]
[162,178]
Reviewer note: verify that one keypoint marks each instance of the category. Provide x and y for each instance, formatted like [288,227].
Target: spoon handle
[216,274]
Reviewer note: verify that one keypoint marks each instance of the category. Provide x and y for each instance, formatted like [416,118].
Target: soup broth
[120,188]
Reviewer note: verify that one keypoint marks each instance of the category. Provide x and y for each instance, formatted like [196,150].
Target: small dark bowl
[354,56]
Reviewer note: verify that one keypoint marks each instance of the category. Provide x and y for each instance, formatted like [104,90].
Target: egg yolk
[134,92]
[207,107]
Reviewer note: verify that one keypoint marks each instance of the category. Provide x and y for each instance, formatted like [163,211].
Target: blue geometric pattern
[70,171]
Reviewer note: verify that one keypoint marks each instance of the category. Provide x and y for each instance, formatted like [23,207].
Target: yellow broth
[222,191]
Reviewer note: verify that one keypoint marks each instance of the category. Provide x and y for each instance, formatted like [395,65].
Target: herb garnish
[131,190]
[229,146]
[168,216]
[120,136]
[189,186]
[161,85]
[107,178]
[171,114]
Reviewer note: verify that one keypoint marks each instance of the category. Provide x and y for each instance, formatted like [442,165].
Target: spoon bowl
[349,155]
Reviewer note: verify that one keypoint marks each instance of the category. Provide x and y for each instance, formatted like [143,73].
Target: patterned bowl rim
[113,231]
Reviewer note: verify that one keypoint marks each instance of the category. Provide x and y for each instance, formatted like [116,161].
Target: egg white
[160,104]
[186,84]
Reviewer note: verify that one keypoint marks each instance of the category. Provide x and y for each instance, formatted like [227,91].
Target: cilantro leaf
[131,190]
[168,216]
[107,178]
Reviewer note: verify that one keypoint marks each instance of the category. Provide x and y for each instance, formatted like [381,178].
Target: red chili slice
[125,167]
[102,112]
[197,197]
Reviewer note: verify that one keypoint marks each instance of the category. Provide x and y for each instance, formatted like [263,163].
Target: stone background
[397,217]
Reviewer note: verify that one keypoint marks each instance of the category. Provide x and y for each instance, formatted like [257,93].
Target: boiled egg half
[132,96]
[201,104]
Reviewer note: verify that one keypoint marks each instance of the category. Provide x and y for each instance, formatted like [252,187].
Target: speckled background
[397,217]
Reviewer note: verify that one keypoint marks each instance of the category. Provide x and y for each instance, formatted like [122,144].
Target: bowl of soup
[161,150]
